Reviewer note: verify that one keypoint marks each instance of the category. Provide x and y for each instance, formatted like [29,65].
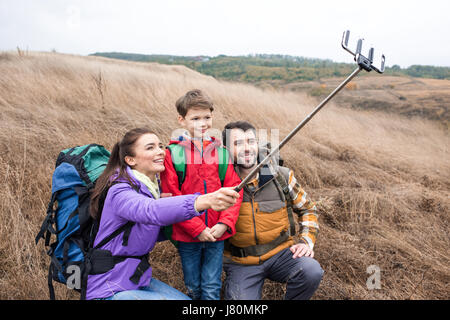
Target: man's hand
[218,230]
[206,235]
[300,250]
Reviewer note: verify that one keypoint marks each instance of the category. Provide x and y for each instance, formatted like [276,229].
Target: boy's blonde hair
[193,99]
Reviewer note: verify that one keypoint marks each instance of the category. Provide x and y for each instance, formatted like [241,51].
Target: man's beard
[246,165]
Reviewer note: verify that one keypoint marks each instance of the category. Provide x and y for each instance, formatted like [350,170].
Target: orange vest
[263,227]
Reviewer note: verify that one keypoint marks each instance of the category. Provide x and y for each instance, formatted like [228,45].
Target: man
[263,246]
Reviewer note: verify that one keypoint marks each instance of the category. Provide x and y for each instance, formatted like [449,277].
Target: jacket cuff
[196,213]
[195,237]
[308,242]
[229,230]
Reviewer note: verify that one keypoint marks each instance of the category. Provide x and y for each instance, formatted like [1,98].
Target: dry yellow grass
[381,181]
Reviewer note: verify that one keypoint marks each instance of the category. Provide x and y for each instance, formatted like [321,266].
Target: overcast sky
[407,32]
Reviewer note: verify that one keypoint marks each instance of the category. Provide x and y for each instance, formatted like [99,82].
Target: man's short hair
[243,125]
[193,99]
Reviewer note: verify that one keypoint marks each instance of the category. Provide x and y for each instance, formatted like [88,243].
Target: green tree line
[266,67]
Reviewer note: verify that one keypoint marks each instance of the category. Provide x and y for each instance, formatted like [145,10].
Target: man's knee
[311,271]
[305,280]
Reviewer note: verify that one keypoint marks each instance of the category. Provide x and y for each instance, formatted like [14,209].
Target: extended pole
[293,132]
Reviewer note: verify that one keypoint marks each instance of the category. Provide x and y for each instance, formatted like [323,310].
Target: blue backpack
[72,256]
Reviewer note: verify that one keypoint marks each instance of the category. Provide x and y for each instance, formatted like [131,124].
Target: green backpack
[179,162]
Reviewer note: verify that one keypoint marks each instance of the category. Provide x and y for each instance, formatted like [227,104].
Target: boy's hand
[206,235]
[218,230]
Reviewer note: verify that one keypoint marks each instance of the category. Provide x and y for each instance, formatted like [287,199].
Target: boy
[201,239]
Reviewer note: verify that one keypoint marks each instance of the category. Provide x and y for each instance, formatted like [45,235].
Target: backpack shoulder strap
[126,228]
[178,155]
[283,182]
[223,162]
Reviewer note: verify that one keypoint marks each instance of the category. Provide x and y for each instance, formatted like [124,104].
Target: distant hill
[267,67]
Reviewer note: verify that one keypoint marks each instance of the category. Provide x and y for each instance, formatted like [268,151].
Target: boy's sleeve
[306,210]
[169,184]
[230,216]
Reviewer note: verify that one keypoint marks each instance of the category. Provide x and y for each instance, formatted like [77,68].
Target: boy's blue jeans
[202,268]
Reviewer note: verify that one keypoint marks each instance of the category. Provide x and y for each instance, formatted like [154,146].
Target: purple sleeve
[133,206]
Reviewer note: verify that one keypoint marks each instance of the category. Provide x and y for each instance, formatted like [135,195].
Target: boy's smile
[197,121]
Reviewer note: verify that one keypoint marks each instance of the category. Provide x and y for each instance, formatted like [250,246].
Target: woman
[133,200]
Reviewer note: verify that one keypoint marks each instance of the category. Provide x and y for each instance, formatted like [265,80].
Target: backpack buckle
[238,252]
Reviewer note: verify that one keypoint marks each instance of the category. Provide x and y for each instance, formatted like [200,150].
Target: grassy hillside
[381,181]
[416,91]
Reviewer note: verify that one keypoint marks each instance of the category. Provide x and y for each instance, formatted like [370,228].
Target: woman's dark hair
[243,125]
[116,167]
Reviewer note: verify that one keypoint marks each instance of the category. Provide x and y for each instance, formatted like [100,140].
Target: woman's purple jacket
[123,204]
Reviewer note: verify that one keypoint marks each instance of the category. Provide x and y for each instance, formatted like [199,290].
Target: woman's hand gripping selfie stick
[363,64]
